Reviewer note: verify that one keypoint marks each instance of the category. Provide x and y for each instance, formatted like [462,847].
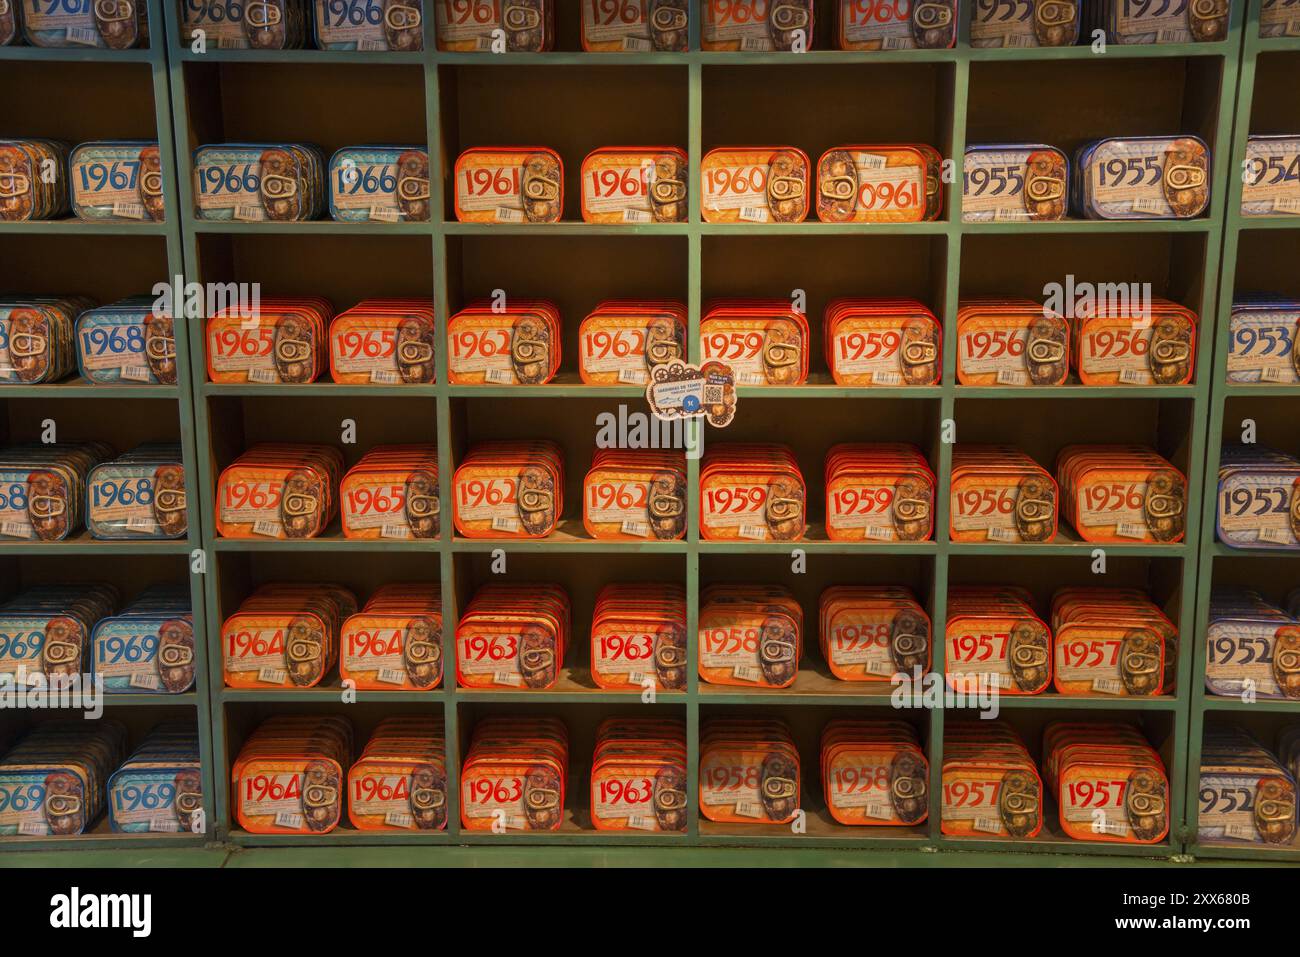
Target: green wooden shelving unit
[1258,256]
[76,95]
[574,102]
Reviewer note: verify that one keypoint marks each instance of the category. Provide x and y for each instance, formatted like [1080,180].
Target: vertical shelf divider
[694,309]
[947,311]
[441,252]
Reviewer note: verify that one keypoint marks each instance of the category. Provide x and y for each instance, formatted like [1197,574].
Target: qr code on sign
[712,394]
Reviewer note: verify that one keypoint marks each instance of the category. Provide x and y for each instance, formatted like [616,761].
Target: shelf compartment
[228,102]
[910,102]
[582,583]
[1161,727]
[619,104]
[576,273]
[1066,106]
[1165,580]
[815,684]
[814,270]
[139,719]
[113,100]
[237,718]
[805,724]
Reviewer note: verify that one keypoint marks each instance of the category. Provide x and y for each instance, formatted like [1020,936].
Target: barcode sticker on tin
[1108,825]
[1241,832]
[750,673]
[17,529]
[145,680]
